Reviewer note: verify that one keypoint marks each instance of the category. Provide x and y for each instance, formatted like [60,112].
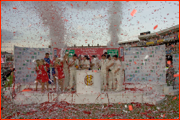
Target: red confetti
[72,5]
[130,107]
[26,90]
[155,27]
[168,62]
[133,12]
[174,98]
[65,20]
[176,75]
[87,112]
[134,62]
[14,8]
[86,2]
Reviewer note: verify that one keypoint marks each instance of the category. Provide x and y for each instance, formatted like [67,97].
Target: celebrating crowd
[64,71]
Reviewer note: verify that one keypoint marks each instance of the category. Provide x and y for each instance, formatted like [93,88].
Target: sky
[84,22]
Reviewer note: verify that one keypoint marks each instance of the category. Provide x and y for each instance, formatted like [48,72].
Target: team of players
[64,70]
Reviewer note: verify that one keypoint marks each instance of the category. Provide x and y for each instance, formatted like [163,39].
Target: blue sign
[168,51]
[55,52]
[122,52]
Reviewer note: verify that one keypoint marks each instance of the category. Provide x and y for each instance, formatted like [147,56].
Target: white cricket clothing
[109,62]
[111,81]
[76,62]
[95,62]
[118,75]
[72,77]
[103,72]
[73,71]
[103,64]
[85,63]
[66,73]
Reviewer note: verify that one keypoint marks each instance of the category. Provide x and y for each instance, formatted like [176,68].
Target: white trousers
[103,79]
[120,79]
[72,77]
[111,81]
[66,80]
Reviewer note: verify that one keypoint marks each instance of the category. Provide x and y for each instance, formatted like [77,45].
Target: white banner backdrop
[176,68]
[145,64]
[25,62]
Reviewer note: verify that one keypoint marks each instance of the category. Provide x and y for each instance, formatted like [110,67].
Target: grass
[9,83]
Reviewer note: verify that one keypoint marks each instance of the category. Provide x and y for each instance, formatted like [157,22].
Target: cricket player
[85,63]
[103,72]
[111,81]
[123,68]
[73,65]
[117,73]
[94,63]
[66,70]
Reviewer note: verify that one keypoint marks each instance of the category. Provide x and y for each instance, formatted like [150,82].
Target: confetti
[176,75]
[168,62]
[65,20]
[133,12]
[26,90]
[155,27]
[14,8]
[130,107]
[174,98]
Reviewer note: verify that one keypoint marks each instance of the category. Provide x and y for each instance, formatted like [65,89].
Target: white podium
[88,82]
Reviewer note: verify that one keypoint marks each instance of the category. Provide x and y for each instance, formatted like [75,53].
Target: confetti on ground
[65,110]
[174,98]
[130,107]
[133,12]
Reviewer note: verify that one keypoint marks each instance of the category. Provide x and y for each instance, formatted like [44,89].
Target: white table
[88,81]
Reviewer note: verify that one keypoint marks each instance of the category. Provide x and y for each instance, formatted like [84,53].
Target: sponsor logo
[88,80]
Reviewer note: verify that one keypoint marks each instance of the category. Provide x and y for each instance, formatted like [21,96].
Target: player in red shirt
[59,68]
[44,75]
[38,78]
